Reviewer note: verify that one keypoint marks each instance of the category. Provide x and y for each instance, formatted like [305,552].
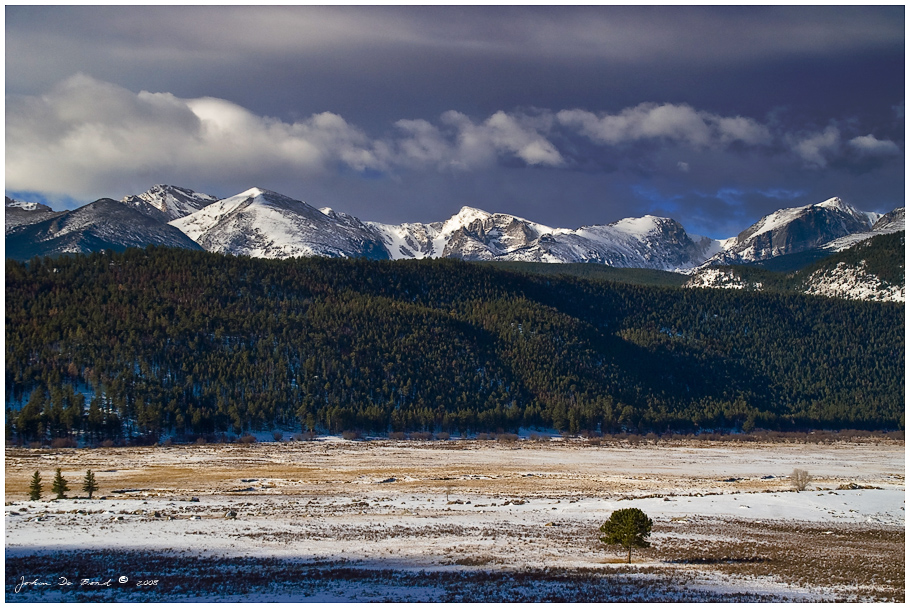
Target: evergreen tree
[59,487]
[34,489]
[628,528]
[89,485]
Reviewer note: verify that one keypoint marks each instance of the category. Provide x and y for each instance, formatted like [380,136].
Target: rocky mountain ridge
[262,223]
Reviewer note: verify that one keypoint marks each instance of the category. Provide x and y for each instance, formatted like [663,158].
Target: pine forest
[135,345]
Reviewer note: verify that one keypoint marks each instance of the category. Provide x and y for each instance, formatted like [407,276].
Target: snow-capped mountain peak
[25,206]
[263,223]
[167,203]
[18,213]
[465,217]
[793,230]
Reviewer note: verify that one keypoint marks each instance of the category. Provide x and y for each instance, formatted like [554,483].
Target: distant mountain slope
[794,230]
[19,213]
[873,269]
[476,235]
[264,224]
[891,222]
[103,224]
[167,203]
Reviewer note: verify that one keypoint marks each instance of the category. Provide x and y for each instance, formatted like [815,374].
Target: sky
[567,116]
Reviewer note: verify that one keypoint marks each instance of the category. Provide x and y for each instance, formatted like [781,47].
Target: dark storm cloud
[563,115]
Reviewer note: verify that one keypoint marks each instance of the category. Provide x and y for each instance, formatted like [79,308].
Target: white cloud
[87,138]
[463,144]
[871,146]
[815,149]
[679,123]
[90,138]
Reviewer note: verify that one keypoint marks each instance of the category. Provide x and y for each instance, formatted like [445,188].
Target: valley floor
[333,520]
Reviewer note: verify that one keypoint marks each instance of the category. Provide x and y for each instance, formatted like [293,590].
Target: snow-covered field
[457,521]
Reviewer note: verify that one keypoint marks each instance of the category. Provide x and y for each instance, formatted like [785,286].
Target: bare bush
[421,436]
[278,436]
[350,435]
[397,436]
[247,439]
[64,442]
[507,438]
[800,479]
[443,436]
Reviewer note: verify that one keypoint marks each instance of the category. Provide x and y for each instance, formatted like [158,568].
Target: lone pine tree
[59,487]
[34,488]
[628,528]
[89,485]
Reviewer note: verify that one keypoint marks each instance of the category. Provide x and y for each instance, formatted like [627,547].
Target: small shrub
[800,479]
[507,438]
[443,436]
[168,442]
[278,436]
[350,435]
[247,439]
[64,442]
[107,443]
[397,436]
[201,441]
[484,436]
[421,436]
[35,445]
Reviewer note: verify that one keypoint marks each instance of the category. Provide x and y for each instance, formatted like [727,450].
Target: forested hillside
[152,341]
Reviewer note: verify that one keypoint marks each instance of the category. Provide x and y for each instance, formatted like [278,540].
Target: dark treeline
[132,345]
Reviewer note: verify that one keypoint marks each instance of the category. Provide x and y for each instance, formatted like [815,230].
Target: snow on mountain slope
[853,283]
[265,224]
[795,229]
[721,278]
[891,222]
[19,213]
[473,234]
[103,224]
[167,203]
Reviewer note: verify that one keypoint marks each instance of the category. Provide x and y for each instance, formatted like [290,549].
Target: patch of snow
[853,283]
[720,278]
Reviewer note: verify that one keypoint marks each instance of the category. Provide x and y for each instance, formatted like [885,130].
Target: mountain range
[262,223]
